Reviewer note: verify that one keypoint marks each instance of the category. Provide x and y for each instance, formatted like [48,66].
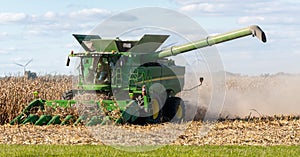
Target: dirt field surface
[275,130]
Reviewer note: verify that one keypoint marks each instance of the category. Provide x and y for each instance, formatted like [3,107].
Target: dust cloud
[264,95]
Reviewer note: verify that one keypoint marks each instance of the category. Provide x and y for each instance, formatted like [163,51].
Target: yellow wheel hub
[179,112]
[155,108]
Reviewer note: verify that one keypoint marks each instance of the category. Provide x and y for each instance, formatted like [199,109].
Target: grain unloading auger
[138,82]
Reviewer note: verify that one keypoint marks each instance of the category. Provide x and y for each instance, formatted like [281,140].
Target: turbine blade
[19,64]
[28,62]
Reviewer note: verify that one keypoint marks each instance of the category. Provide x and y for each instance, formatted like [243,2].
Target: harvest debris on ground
[275,130]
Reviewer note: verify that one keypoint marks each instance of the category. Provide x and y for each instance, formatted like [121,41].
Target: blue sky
[41,30]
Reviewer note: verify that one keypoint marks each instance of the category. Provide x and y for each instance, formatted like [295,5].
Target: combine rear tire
[174,110]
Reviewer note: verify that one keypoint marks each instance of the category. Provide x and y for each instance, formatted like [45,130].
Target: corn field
[17,92]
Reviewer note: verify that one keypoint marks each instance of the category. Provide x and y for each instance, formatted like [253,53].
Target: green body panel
[92,87]
[32,118]
[36,103]
[43,120]
[157,74]
[83,38]
[94,121]
[60,103]
[103,45]
[55,120]
[66,120]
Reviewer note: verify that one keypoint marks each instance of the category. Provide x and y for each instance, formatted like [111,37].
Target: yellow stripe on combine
[162,78]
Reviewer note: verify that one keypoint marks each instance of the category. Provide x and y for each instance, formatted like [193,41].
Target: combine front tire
[132,114]
[156,112]
[68,95]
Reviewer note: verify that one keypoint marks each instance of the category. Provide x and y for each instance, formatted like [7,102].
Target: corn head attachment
[71,112]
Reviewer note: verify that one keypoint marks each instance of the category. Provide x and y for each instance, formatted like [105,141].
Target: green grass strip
[92,150]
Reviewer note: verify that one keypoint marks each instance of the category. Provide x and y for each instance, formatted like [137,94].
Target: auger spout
[253,30]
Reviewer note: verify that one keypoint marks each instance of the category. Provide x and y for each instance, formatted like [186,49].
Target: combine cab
[136,83]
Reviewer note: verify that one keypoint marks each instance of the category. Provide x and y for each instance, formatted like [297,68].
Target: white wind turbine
[24,66]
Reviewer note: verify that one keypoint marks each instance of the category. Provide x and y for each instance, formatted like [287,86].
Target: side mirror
[201,79]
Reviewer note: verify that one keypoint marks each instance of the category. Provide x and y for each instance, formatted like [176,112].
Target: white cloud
[203,7]
[3,34]
[212,8]
[223,8]
[34,32]
[9,50]
[271,20]
[55,22]
[50,15]
[57,17]
[12,17]
[72,46]
[89,13]
[250,19]
[187,2]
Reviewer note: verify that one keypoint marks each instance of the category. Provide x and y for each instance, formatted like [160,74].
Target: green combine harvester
[139,82]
